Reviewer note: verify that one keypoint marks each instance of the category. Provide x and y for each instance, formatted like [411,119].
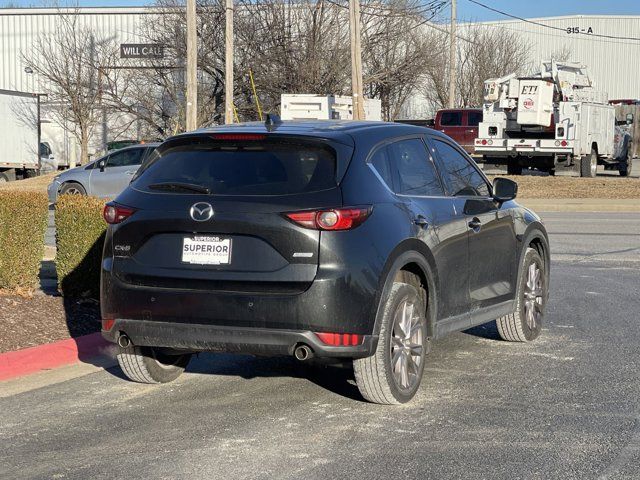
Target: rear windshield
[249,168]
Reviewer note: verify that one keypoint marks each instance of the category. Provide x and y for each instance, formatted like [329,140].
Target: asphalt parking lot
[566,406]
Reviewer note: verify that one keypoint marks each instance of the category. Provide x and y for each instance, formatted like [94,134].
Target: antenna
[272,122]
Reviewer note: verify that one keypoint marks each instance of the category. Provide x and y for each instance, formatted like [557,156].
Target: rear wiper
[180,187]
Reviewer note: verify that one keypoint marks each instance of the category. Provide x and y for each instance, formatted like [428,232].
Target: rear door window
[451,119]
[269,167]
[474,118]
[407,169]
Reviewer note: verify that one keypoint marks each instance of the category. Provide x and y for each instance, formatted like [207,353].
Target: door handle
[421,221]
[475,224]
[130,172]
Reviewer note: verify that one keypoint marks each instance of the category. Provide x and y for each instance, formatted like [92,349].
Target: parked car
[362,241]
[105,177]
[461,124]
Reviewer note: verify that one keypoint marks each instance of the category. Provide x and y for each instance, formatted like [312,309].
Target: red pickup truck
[461,124]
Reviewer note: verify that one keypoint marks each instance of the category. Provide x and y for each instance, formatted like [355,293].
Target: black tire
[515,327]
[72,188]
[589,165]
[514,169]
[626,165]
[147,365]
[375,375]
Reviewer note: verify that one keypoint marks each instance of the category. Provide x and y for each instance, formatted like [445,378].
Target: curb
[52,355]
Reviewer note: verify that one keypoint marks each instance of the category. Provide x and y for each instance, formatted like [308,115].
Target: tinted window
[126,158]
[415,172]
[253,168]
[461,177]
[451,119]
[474,118]
[380,161]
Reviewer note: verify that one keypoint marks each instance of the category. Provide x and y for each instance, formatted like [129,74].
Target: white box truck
[552,120]
[325,107]
[21,154]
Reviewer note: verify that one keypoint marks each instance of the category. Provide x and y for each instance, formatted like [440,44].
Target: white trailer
[24,151]
[552,120]
[325,107]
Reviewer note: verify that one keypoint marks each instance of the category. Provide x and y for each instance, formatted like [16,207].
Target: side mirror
[101,165]
[504,189]
[629,118]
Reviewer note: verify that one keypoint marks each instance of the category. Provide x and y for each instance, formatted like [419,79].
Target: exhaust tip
[303,352]
[124,341]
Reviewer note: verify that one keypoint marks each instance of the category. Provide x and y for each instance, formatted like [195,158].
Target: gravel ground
[564,407]
[530,186]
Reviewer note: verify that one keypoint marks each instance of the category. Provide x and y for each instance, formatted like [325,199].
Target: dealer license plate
[205,250]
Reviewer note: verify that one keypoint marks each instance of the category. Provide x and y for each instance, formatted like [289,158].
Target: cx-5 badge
[201,212]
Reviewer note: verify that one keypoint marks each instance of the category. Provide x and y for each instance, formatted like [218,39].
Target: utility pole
[452,57]
[228,69]
[356,60]
[192,67]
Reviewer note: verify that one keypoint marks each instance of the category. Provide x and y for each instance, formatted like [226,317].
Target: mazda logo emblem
[201,212]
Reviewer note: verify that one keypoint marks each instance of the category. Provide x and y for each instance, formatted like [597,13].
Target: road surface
[566,406]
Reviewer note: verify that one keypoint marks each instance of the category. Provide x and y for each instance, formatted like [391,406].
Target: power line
[550,26]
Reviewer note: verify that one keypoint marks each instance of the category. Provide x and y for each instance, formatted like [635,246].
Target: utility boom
[554,119]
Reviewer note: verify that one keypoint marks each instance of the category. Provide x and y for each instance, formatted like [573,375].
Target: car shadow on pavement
[486,330]
[333,376]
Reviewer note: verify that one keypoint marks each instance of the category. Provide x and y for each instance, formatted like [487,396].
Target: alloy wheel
[407,340]
[533,296]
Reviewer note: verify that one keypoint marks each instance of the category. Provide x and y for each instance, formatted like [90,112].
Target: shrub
[80,232]
[23,223]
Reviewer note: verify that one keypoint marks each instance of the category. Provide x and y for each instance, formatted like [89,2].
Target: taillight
[340,339]
[238,137]
[114,213]
[333,219]
[107,324]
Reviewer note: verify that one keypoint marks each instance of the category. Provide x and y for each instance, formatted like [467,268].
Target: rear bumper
[214,338]
[526,146]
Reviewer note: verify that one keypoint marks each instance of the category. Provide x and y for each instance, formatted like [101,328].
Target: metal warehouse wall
[20,27]
[614,65]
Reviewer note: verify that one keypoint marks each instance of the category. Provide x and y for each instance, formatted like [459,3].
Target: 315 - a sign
[141,50]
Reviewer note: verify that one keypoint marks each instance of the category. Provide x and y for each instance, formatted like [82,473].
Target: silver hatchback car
[105,177]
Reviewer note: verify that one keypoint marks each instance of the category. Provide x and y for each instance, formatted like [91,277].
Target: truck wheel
[589,165]
[72,188]
[147,365]
[626,165]
[393,374]
[514,169]
[525,323]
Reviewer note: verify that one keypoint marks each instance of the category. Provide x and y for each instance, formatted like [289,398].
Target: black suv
[359,240]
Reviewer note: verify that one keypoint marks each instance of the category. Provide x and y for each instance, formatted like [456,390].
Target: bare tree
[152,92]
[67,64]
[483,53]
[398,51]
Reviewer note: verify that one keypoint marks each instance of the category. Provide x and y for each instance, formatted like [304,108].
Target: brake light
[114,213]
[107,324]
[333,219]
[340,339]
[238,136]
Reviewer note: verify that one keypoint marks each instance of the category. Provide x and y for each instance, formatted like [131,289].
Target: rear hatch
[209,213]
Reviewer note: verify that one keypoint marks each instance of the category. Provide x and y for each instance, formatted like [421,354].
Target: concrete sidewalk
[581,204]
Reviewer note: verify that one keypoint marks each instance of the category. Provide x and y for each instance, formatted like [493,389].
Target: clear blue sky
[466,9]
